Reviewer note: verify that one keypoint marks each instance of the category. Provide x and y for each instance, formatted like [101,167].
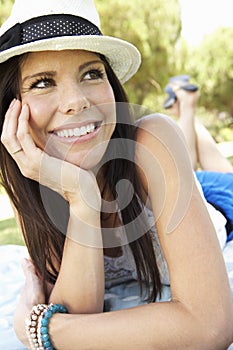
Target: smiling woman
[102,201]
[76,102]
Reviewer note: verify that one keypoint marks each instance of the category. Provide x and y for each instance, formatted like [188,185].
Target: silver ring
[17,151]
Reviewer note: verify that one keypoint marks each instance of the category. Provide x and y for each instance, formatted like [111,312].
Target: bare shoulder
[162,160]
[161,137]
[159,126]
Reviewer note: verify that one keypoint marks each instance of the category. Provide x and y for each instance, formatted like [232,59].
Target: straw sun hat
[39,25]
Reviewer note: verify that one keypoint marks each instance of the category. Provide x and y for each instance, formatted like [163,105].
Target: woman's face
[71,103]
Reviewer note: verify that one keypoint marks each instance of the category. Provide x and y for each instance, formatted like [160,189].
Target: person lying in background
[213,171]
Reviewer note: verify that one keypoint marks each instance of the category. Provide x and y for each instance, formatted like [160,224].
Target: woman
[69,153]
[213,170]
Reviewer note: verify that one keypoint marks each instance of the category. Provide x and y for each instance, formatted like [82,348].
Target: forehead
[37,60]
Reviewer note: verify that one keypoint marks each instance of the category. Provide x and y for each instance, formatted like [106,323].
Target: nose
[73,100]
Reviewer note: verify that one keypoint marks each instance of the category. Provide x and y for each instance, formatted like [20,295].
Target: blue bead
[52,308]
[47,344]
[44,330]
[45,337]
[48,314]
[63,309]
[44,321]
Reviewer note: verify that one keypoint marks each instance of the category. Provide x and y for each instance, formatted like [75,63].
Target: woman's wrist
[86,197]
[37,325]
[84,227]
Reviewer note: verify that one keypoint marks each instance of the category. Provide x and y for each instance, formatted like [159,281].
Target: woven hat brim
[123,57]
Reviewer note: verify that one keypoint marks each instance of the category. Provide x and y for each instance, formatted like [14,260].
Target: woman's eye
[42,84]
[94,74]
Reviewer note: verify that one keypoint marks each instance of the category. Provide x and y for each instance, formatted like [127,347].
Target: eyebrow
[48,73]
[86,64]
[53,73]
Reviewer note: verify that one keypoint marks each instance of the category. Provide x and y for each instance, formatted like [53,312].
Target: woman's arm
[200,314]
[80,283]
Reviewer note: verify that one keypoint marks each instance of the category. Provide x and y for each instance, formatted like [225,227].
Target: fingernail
[24,108]
[12,103]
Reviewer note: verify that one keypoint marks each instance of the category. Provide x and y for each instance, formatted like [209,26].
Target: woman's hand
[32,294]
[79,187]
[65,178]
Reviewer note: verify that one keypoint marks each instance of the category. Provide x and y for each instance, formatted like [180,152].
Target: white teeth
[77,131]
[83,130]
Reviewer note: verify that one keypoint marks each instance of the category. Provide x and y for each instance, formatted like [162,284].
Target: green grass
[10,233]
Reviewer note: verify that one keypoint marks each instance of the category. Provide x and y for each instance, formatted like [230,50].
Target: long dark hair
[42,227]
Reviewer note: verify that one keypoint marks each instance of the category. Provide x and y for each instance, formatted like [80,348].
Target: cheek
[107,104]
[109,95]
[39,119]
[101,94]
[40,111]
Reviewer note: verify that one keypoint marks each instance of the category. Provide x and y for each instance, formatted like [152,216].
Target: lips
[77,131]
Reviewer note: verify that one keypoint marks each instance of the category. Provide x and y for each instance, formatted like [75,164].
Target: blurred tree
[211,63]
[5,7]
[154,27]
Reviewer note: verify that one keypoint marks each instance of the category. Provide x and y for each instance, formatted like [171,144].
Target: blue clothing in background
[218,191]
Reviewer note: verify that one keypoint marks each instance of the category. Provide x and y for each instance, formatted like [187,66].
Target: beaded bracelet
[31,324]
[37,325]
[47,314]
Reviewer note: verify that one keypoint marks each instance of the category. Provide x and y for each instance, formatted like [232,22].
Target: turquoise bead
[44,321]
[53,308]
[47,344]
[45,337]
[44,330]
[48,314]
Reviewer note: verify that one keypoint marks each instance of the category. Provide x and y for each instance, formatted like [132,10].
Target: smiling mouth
[77,132]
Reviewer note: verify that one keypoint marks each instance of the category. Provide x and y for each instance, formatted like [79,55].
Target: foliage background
[155,28]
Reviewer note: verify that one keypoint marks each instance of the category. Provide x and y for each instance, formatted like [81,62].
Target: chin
[87,163]
[90,159]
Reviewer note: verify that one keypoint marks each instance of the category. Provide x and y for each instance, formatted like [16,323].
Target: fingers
[33,162]
[15,134]
[18,141]
[28,269]
[33,290]
[31,278]
[23,133]
[8,137]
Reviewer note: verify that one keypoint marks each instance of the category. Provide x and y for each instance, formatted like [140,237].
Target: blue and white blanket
[12,280]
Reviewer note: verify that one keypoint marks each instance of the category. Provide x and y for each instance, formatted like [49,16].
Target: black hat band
[45,27]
